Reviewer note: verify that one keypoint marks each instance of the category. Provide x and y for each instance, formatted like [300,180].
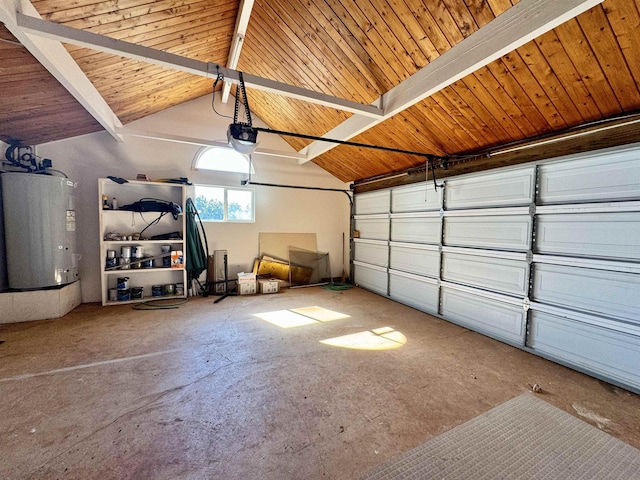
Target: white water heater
[40,230]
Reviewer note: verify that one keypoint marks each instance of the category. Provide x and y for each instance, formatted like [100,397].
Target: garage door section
[585,286]
[545,257]
[371,243]
[415,247]
[488,233]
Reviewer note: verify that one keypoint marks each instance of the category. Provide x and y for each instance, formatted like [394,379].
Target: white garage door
[545,257]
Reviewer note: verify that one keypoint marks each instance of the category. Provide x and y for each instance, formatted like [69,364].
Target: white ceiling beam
[520,24]
[102,43]
[242,22]
[202,142]
[55,58]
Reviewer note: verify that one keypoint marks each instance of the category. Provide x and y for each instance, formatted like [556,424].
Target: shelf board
[117,242]
[144,299]
[145,270]
[109,210]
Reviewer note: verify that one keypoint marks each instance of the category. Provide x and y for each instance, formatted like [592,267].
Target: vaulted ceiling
[446,77]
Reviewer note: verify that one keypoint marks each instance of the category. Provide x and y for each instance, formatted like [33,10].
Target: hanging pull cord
[245,101]
[219,77]
[432,167]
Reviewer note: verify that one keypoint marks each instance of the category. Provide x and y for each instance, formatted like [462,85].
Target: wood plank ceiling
[585,70]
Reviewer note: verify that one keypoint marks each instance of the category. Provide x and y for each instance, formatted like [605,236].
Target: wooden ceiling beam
[520,24]
[55,58]
[165,137]
[242,21]
[62,33]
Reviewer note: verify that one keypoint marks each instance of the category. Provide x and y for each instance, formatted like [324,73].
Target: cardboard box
[247,288]
[268,286]
[177,259]
[246,278]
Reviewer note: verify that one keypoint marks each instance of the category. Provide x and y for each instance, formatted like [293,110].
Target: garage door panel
[601,177]
[495,189]
[371,277]
[373,252]
[416,229]
[557,243]
[493,232]
[373,202]
[486,315]
[597,235]
[609,353]
[418,198]
[607,293]
[376,228]
[414,291]
[414,259]
[500,275]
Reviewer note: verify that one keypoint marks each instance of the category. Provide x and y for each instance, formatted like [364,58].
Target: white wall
[85,159]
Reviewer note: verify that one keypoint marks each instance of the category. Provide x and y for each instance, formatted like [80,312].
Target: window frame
[225,207]
[203,150]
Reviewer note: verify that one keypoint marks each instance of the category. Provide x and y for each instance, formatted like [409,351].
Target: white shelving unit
[126,223]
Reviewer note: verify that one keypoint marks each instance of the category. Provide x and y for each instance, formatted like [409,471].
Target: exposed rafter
[202,142]
[520,24]
[242,21]
[55,58]
[63,33]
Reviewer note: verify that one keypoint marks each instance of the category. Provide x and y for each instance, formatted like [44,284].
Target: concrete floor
[213,392]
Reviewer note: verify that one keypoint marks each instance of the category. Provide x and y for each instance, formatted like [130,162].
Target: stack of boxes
[249,284]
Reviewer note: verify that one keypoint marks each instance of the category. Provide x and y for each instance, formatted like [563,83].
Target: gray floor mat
[523,438]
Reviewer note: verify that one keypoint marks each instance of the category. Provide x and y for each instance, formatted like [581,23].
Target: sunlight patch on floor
[285,319]
[299,317]
[385,338]
[320,314]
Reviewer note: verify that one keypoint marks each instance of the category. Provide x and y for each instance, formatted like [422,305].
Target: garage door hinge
[526,304]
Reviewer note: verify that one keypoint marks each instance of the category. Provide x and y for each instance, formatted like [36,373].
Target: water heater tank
[40,230]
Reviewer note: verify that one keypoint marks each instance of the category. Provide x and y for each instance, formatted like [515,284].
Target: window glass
[222,159]
[222,204]
[240,205]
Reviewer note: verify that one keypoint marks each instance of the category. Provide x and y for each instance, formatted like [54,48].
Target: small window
[222,159]
[224,204]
